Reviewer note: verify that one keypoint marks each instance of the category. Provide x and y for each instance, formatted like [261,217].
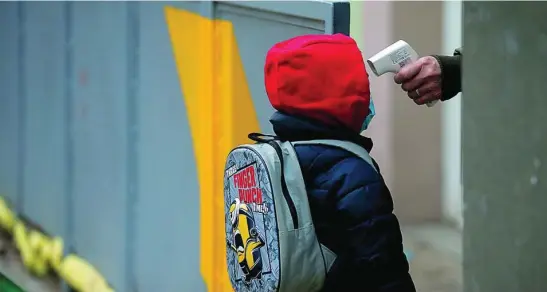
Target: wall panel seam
[133,31]
[21,103]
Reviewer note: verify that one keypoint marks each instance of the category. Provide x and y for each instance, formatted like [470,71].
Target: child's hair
[322,77]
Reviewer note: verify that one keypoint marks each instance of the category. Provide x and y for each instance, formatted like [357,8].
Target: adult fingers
[415,83]
[408,72]
[429,70]
[430,86]
[425,99]
[434,93]
[413,94]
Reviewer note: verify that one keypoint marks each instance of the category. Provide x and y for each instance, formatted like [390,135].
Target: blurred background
[116,117]
[428,198]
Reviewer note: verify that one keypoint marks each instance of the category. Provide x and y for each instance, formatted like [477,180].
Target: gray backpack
[270,236]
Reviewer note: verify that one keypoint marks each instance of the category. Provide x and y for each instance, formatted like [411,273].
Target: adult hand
[421,80]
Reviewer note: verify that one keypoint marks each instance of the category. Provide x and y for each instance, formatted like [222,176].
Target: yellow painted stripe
[220,114]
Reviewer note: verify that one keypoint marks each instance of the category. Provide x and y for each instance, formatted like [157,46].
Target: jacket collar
[293,128]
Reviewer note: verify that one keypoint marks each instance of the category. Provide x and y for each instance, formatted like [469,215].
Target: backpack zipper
[284,189]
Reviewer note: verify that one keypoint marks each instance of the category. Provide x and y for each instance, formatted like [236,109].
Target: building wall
[116,119]
[407,137]
[504,147]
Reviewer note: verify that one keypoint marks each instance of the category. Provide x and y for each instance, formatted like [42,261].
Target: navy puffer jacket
[352,210]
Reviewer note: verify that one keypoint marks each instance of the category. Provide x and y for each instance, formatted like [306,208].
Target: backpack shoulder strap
[348,146]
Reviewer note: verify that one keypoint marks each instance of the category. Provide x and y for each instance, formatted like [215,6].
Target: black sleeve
[451,76]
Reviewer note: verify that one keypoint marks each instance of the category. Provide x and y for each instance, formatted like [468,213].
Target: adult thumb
[407,72]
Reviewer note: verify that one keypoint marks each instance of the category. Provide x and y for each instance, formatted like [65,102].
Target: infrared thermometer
[392,59]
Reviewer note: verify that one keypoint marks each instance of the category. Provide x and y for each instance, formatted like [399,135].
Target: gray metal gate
[96,144]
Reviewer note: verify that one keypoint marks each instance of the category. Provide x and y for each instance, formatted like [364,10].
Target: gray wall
[81,152]
[505,146]
[416,134]
[406,137]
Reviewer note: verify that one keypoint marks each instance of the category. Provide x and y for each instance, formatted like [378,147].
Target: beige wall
[406,136]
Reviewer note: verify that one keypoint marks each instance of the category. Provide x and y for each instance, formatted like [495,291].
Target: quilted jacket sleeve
[353,212]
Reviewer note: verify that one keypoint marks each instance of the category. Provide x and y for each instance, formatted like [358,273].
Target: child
[319,86]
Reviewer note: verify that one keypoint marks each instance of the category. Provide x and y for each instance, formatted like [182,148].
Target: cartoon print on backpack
[251,237]
[247,241]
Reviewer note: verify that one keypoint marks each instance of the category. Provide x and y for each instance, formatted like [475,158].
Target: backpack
[270,236]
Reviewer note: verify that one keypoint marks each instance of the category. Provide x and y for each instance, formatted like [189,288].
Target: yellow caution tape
[40,254]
